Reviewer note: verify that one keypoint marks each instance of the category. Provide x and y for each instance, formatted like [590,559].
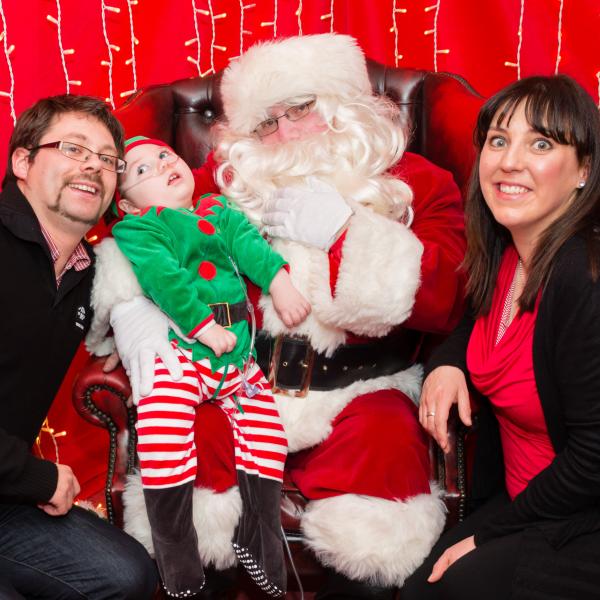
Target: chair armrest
[101,399]
[98,395]
[449,470]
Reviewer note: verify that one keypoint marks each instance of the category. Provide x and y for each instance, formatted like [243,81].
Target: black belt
[226,314]
[293,365]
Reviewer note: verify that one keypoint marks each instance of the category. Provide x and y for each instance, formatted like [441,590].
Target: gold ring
[431,414]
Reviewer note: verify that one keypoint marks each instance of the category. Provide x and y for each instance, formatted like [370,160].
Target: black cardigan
[40,330]
[563,500]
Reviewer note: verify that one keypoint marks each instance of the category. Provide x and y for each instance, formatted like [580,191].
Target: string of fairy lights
[194,40]
[517,65]
[63,52]
[134,41]
[109,47]
[395,30]
[559,36]
[243,30]
[10,94]
[206,17]
[299,17]
[272,23]
[436,50]
[329,16]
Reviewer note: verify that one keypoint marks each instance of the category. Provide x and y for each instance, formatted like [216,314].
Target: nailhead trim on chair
[461,475]
[257,574]
[112,432]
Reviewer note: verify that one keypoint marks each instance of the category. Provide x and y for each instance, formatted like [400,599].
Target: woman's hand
[443,387]
[450,556]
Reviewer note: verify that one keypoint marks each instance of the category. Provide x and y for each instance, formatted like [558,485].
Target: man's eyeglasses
[82,154]
[293,113]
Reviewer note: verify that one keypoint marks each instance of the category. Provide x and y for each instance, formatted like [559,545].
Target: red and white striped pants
[165,424]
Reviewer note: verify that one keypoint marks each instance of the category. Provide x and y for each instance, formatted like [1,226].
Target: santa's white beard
[259,169]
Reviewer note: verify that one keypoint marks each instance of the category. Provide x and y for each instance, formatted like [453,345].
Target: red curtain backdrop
[87,46]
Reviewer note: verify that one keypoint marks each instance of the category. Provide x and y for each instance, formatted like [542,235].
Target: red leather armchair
[440,110]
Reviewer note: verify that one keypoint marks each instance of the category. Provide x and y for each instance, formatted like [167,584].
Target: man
[308,152]
[64,156]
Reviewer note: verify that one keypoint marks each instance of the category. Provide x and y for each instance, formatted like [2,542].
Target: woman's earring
[581,183]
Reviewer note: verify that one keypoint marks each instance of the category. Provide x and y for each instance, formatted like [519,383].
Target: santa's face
[293,130]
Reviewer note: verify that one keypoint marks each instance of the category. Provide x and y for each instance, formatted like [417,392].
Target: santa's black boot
[170,512]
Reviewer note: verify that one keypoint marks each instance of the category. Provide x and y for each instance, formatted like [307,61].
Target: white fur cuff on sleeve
[378,278]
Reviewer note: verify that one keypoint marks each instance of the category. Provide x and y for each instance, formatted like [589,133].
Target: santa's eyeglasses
[293,113]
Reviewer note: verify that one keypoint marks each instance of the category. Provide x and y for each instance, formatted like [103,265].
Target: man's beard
[59,209]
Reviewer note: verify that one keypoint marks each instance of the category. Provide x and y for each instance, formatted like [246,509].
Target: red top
[503,371]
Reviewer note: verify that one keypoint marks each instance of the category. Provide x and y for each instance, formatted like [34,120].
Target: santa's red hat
[326,64]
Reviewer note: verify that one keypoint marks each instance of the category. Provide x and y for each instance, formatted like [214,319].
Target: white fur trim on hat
[215,517]
[372,539]
[326,64]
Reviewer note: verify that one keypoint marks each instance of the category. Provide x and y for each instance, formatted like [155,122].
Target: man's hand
[450,556]
[443,387]
[141,333]
[315,215]
[67,488]
[291,306]
[218,339]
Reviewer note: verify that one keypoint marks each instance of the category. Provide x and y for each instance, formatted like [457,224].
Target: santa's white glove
[141,333]
[314,215]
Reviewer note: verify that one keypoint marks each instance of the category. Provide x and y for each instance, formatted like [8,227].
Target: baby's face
[155,176]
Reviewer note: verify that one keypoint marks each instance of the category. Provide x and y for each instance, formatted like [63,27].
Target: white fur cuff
[378,278]
[371,539]
[307,421]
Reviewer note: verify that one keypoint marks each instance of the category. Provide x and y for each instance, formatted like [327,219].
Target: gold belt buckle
[226,305]
[307,365]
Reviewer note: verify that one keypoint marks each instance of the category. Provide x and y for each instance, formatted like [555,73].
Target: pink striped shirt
[79,260]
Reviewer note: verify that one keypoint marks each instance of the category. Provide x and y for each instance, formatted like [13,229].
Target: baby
[189,255]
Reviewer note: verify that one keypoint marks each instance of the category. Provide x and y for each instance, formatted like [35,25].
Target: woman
[531,345]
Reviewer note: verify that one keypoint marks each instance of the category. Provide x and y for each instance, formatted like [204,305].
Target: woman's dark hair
[560,109]
[33,123]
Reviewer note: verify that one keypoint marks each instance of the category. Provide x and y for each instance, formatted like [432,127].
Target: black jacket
[563,500]
[40,330]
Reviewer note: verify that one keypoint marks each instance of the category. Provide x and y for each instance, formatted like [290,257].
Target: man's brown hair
[33,123]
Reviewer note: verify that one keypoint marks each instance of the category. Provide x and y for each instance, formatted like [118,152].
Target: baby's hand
[218,339]
[291,306]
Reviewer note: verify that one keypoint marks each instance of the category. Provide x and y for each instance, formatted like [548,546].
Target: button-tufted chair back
[440,110]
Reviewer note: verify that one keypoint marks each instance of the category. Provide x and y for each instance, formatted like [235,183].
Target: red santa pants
[376,448]
[167,423]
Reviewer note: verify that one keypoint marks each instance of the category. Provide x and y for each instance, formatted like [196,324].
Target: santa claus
[374,238]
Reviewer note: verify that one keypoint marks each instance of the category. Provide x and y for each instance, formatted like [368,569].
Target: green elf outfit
[189,262]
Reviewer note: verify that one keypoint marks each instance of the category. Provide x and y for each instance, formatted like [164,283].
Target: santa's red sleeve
[439,225]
